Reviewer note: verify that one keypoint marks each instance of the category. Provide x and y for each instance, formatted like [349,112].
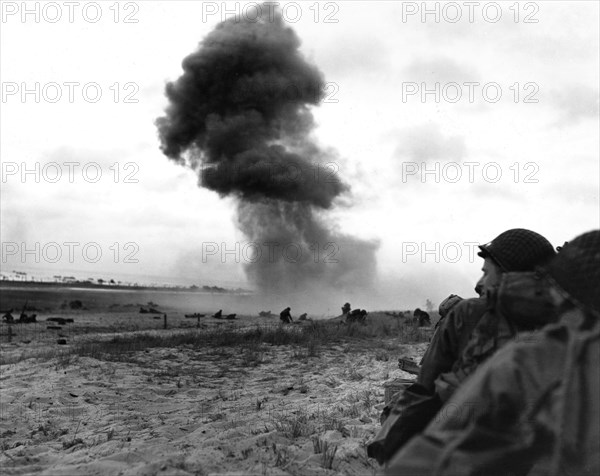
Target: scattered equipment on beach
[409,365]
[149,311]
[393,387]
[195,316]
[61,321]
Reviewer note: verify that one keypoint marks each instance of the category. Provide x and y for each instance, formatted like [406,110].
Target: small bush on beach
[294,426]
[326,450]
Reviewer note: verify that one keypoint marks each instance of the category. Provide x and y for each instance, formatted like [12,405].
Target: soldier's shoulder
[468,312]
[471,305]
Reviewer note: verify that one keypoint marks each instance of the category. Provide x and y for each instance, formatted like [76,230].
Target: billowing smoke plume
[240,115]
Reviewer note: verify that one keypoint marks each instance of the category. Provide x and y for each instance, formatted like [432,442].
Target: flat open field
[247,396]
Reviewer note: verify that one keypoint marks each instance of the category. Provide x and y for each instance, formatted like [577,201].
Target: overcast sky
[541,135]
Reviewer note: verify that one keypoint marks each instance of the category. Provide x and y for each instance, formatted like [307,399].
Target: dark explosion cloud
[240,115]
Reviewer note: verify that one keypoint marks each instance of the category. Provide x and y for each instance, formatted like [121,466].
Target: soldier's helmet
[518,249]
[576,270]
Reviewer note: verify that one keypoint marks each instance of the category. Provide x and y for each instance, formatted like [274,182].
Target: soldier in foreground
[534,407]
[515,250]
[512,251]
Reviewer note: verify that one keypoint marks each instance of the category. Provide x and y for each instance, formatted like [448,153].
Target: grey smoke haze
[427,142]
[240,115]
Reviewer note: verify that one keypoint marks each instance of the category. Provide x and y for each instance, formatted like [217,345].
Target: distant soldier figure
[285,316]
[352,315]
[346,309]
[218,314]
[27,319]
[362,316]
[8,317]
[421,317]
[357,315]
[302,317]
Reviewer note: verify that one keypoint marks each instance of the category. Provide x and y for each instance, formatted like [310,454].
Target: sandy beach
[194,408]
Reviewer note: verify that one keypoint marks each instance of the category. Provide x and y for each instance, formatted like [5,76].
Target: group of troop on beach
[510,383]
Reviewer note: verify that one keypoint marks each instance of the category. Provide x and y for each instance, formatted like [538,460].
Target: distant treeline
[8,283]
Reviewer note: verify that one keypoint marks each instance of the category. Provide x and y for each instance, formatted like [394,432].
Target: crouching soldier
[534,407]
[357,315]
[421,318]
[512,251]
[285,316]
